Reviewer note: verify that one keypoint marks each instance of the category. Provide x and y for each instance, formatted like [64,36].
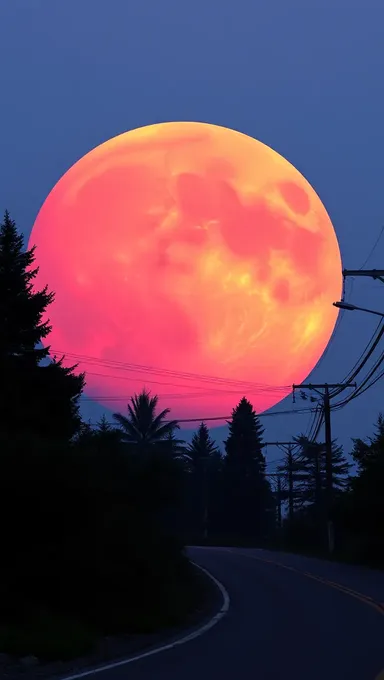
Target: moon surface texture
[192,260]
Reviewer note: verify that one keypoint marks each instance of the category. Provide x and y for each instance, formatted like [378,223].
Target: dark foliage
[248,496]
[93,521]
[204,485]
[37,397]
[87,516]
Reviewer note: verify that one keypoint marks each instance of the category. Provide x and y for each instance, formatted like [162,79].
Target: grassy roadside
[53,637]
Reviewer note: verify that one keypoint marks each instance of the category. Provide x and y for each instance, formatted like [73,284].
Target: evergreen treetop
[21,308]
[366,453]
[202,444]
[39,399]
[245,441]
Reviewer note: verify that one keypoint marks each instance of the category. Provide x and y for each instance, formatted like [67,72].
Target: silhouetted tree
[366,453]
[78,513]
[21,308]
[243,447]
[104,426]
[174,448]
[206,466]
[310,490]
[362,509]
[143,427]
[202,445]
[310,471]
[36,398]
[248,493]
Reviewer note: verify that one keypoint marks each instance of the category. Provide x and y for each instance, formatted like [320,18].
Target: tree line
[94,520]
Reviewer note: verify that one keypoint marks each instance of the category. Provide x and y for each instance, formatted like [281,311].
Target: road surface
[282,623]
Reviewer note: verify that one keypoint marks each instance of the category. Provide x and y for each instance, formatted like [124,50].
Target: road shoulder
[123,649]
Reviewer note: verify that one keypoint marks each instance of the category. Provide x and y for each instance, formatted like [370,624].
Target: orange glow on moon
[184,251]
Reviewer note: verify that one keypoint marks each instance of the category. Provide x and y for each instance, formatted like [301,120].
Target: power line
[359,390]
[372,343]
[326,398]
[381,375]
[172,384]
[250,387]
[336,327]
[182,395]
[373,248]
[367,353]
[143,368]
[317,422]
[217,418]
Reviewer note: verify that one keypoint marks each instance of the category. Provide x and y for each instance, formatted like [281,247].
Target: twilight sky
[303,76]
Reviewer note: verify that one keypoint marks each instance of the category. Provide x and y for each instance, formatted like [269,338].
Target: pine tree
[366,453]
[206,467]
[174,449]
[310,472]
[37,398]
[248,493]
[310,490]
[364,506]
[202,445]
[305,524]
[21,308]
[243,446]
[103,426]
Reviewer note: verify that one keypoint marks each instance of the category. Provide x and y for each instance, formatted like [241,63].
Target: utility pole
[288,448]
[372,273]
[319,509]
[279,518]
[290,486]
[328,445]
[328,459]
[278,476]
[205,496]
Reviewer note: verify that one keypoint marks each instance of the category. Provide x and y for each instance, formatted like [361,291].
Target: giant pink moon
[192,260]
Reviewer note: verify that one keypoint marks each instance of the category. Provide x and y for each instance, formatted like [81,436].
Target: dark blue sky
[303,76]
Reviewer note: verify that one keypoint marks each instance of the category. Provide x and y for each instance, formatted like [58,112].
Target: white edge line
[181,641]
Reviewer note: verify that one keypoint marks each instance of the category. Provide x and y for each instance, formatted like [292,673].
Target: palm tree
[143,428]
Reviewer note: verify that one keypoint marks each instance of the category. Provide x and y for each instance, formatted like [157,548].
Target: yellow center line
[366,599]
[332,584]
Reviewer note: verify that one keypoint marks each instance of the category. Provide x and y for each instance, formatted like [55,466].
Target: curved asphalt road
[282,623]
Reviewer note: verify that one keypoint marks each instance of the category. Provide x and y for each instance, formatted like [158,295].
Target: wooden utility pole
[326,397]
[278,476]
[290,485]
[205,496]
[328,451]
[279,516]
[319,505]
[288,448]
